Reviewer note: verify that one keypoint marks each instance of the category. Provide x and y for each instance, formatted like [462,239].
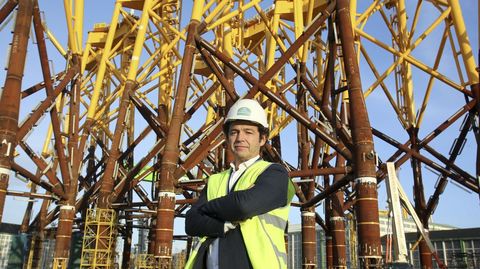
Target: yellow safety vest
[263,234]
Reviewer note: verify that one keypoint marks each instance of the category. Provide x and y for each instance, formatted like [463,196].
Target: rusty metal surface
[10,98]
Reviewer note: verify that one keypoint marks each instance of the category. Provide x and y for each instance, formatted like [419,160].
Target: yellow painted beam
[464,42]
[103,62]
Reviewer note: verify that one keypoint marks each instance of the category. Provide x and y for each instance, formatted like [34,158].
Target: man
[242,212]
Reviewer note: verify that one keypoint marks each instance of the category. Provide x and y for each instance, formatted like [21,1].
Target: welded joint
[5,171]
[366,180]
[67,207]
[168,194]
[308,214]
[337,218]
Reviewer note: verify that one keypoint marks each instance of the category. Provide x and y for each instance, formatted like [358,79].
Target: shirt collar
[245,164]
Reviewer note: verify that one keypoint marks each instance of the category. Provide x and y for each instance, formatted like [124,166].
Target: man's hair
[262,130]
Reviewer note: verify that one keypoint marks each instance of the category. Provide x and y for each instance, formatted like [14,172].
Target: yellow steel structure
[94,254]
[417,66]
[60,263]
[145,261]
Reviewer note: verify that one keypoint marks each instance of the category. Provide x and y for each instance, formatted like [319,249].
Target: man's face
[244,140]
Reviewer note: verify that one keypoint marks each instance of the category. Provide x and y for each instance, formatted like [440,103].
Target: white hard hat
[249,110]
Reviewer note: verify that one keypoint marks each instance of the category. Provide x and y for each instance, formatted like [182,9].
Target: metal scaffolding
[123,121]
[99,238]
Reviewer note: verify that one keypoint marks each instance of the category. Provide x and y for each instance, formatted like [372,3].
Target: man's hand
[229,226]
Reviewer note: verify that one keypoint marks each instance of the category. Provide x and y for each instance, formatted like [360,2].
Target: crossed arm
[207,218]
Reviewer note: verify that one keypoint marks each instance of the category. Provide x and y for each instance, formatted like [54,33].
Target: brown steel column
[419,199]
[129,159]
[337,222]
[228,154]
[309,238]
[335,219]
[328,232]
[64,230]
[108,179]
[151,235]
[39,235]
[309,242]
[10,99]
[44,61]
[476,94]
[366,206]
[166,195]
[67,212]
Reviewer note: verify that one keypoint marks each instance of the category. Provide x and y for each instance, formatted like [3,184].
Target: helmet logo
[244,111]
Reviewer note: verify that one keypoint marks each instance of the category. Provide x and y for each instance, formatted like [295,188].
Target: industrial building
[112,117]
[15,248]
[456,248]
[439,234]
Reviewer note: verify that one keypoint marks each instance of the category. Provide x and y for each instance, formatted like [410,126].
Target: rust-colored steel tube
[10,99]
[328,231]
[337,218]
[67,206]
[153,121]
[42,165]
[442,183]
[63,239]
[309,238]
[366,207]
[25,173]
[200,152]
[29,123]
[309,242]
[476,95]
[108,179]
[7,8]
[226,83]
[64,230]
[419,199]
[42,51]
[329,83]
[320,171]
[166,196]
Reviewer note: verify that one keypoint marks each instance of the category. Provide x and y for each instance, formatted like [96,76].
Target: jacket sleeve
[268,193]
[198,223]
